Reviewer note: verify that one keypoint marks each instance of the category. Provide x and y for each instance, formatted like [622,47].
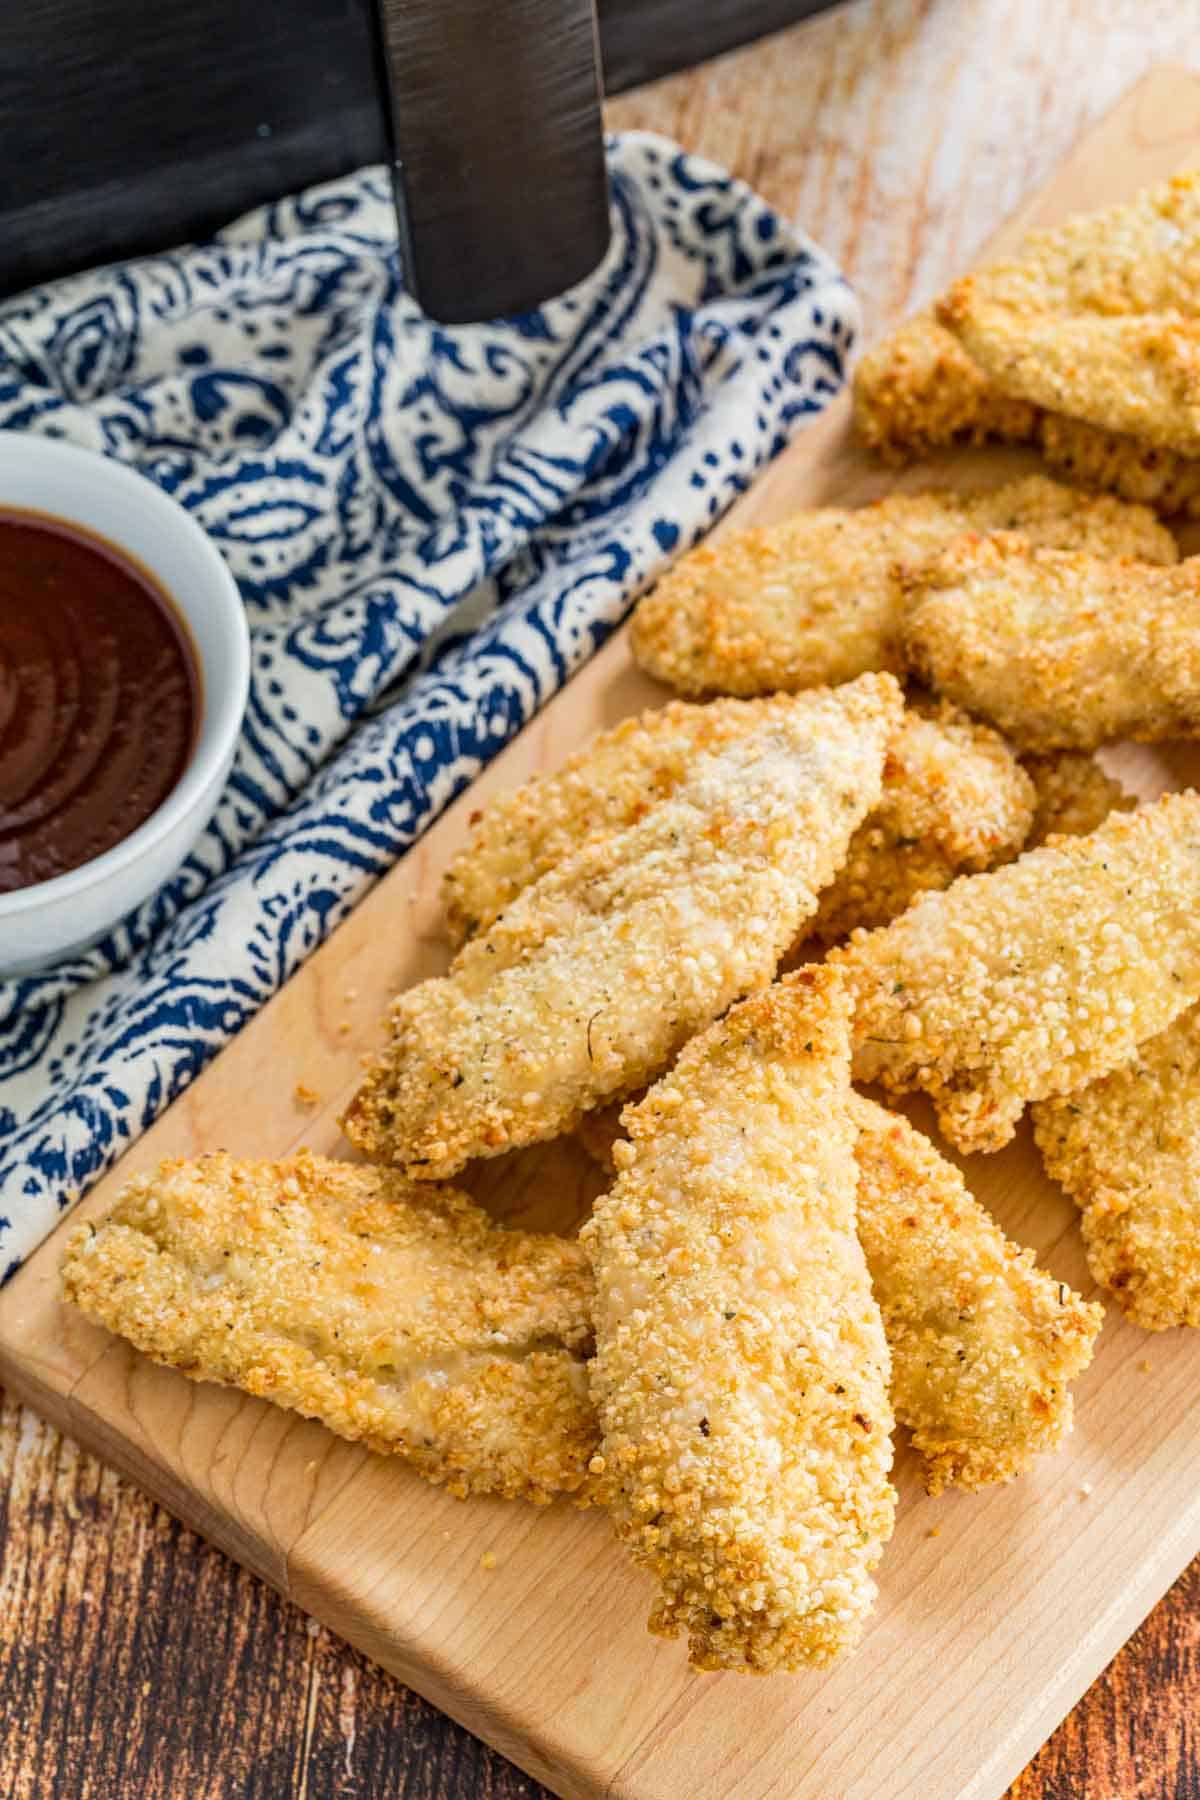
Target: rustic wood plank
[136,1660]
[835,122]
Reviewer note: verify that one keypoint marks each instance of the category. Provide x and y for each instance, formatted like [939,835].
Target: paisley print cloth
[431,529]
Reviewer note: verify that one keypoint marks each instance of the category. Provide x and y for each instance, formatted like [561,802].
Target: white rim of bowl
[221,713]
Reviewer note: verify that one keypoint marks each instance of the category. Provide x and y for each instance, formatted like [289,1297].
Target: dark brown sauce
[99,698]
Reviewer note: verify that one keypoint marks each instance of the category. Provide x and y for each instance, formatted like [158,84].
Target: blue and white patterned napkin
[431,527]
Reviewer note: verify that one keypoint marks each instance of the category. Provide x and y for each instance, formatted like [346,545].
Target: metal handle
[498,156]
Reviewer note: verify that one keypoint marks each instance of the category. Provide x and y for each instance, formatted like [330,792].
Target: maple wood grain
[136,1660]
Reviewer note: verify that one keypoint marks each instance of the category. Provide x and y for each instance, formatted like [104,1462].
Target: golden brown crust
[398,1315]
[1058,649]
[814,599]
[601,970]
[741,1370]
[1134,377]
[955,800]
[983,1342]
[1074,795]
[1121,465]
[1096,318]
[1036,978]
[1127,1151]
[919,391]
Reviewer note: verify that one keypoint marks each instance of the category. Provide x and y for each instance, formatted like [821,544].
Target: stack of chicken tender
[1084,343]
[870,844]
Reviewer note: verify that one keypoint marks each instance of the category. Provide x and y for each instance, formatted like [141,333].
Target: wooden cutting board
[996,1610]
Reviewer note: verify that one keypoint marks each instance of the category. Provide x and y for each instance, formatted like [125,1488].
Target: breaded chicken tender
[955,799]
[1135,377]
[983,1342]
[1074,795]
[399,1316]
[1058,649]
[603,968]
[606,786]
[741,1370]
[1127,1150]
[919,391]
[1036,978]
[1098,318]
[814,600]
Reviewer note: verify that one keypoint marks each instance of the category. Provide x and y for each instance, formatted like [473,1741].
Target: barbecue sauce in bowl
[99,698]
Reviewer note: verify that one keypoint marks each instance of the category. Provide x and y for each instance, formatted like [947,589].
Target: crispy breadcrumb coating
[983,1342]
[1127,1150]
[602,969]
[1074,795]
[606,786]
[1096,318]
[919,391]
[398,1315]
[1058,649]
[741,1370]
[1035,978]
[955,799]
[1137,377]
[1121,465]
[813,599]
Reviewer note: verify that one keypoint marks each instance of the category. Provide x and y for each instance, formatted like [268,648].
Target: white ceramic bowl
[38,924]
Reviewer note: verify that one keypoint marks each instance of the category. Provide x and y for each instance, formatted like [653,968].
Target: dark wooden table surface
[137,1662]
